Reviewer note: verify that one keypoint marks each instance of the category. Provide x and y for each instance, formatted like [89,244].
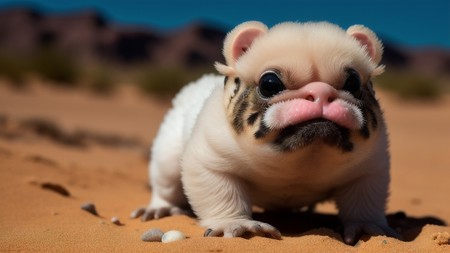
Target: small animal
[292,121]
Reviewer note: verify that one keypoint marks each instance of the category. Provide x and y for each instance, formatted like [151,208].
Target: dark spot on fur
[252,118]
[370,119]
[225,81]
[236,89]
[368,108]
[238,111]
[238,117]
[365,133]
[304,134]
[262,131]
[373,118]
[258,105]
[368,96]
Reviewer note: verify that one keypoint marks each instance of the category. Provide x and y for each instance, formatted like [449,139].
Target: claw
[137,213]
[212,233]
[353,230]
[257,229]
[350,234]
[275,235]
[272,231]
[207,232]
[161,213]
[238,228]
[234,231]
[148,213]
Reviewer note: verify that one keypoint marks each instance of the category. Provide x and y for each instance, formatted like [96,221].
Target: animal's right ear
[237,42]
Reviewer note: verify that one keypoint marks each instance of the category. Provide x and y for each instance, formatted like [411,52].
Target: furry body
[292,122]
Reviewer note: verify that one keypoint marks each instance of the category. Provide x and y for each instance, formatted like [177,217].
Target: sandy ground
[96,148]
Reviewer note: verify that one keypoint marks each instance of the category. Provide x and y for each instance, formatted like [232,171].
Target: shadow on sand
[297,223]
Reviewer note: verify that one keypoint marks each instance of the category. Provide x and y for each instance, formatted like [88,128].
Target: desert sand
[97,148]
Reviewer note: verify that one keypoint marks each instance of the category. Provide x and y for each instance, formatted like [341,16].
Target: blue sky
[412,23]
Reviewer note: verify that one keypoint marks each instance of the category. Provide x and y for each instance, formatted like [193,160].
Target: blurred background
[161,45]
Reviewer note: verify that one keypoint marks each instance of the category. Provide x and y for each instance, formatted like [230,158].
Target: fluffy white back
[171,139]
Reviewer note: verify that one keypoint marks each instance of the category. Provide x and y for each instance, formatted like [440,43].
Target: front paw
[353,230]
[150,213]
[238,227]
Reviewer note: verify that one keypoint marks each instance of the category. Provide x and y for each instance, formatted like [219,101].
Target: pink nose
[319,92]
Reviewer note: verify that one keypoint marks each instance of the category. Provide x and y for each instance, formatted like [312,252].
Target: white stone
[116,221]
[172,236]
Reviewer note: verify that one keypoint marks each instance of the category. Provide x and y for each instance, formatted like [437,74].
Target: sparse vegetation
[47,64]
[165,81]
[55,66]
[62,70]
[101,81]
[13,69]
[410,85]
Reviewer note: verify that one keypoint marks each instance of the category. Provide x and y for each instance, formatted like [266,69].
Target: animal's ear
[369,40]
[240,39]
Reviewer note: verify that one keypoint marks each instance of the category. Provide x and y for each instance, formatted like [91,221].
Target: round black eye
[270,85]
[353,82]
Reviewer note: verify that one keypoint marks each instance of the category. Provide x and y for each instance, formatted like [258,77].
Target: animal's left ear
[369,40]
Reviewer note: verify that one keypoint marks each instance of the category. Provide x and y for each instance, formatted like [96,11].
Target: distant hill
[426,60]
[89,37]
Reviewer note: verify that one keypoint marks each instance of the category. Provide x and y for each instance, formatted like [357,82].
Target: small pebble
[172,236]
[116,221]
[152,235]
[90,208]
